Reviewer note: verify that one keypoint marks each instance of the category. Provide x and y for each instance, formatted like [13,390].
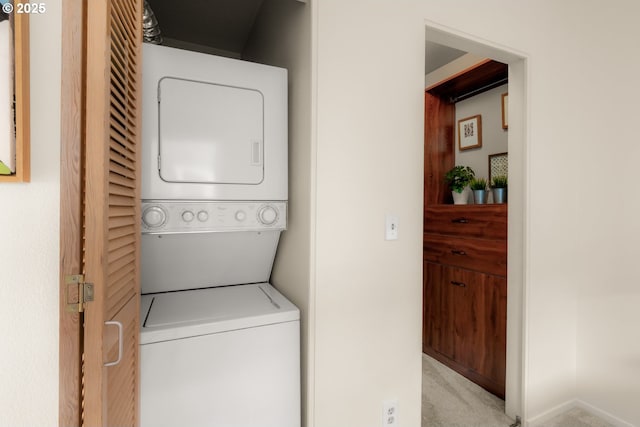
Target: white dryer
[213,128]
[219,345]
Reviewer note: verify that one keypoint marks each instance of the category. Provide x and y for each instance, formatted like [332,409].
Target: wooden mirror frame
[23,127]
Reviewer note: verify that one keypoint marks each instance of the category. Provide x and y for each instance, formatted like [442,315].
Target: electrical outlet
[390,413]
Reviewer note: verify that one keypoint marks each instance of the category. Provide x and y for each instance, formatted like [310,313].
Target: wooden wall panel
[439,118]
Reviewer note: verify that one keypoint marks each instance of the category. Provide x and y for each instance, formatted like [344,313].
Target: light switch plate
[391,227]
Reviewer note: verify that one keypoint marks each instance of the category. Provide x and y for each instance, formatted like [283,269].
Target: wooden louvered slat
[118,107]
[124,263]
[120,190]
[122,201]
[120,21]
[118,37]
[124,252]
[127,17]
[120,144]
[118,67]
[122,160]
[118,298]
[116,81]
[122,231]
[120,32]
[120,126]
[118,72]
[121,285]
[122,181]
[117,211]
[118,95]
[116,301]
[121,221]
[122,171]
[124,241]
[119,280]
[118,101]
[118,135]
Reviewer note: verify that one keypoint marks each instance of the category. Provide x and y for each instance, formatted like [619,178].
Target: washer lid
[183,314]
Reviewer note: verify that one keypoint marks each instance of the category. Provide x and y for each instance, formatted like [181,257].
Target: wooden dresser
[465,290]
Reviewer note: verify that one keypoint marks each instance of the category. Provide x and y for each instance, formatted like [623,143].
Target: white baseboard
[603,414]
[540,419]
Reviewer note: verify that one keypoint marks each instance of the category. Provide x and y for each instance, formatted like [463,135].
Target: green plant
[478,184]
[459,177]
[499,181]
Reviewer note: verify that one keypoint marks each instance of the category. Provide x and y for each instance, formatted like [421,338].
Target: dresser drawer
[487,256]
[481,221]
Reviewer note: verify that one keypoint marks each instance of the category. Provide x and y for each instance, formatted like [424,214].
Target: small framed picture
[470,133]
[498,165]
[505,110]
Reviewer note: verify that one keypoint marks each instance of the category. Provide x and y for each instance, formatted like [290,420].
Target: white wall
[282,37]
[607,230]
[370,76]
[494,138]
[29,249]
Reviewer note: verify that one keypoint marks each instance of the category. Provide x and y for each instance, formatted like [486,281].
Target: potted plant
[458,180]
[499,187]
[479,188]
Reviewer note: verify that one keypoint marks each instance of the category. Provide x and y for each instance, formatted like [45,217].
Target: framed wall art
[470,132]
[498,165]
[505,110]
[14,95]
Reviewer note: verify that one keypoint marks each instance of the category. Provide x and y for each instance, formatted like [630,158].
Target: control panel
[162,216]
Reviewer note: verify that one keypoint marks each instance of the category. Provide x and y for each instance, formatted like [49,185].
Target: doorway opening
[515,372]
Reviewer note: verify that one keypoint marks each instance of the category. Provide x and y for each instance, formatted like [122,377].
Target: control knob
[267,215]
[187,216]
[154,216]
[203,216]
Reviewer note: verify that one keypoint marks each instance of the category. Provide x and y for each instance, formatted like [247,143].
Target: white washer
[219,345]
[225,356]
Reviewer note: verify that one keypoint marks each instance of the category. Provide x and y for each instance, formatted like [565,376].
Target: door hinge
[78,292]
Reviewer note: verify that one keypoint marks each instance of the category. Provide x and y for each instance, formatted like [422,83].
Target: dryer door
[210,133]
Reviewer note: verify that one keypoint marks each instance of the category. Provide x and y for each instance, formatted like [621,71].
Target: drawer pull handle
[459,284]
[457,252]
[462,220]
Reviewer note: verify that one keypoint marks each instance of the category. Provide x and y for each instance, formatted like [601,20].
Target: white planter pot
[461,198]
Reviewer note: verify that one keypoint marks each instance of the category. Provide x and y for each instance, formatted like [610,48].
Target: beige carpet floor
[451,400]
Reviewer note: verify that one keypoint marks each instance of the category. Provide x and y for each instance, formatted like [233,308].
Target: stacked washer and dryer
[219,344]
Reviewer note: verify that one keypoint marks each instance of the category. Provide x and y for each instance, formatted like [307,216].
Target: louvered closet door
[112,195]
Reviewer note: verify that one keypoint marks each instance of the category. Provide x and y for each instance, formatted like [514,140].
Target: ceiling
[225,25]
[437,55]
[220,24]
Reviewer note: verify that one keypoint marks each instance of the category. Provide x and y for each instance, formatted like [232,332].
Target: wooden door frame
[72,129]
